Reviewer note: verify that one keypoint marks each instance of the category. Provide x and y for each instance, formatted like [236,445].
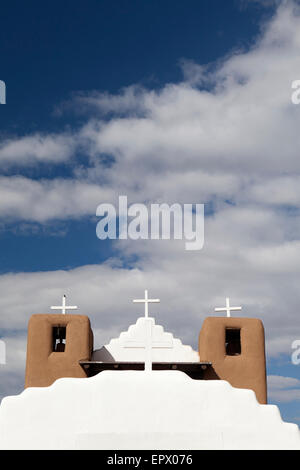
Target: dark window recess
[233,341]
[58,338]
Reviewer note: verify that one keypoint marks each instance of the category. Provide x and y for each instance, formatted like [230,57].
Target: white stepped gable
[130,346]
[135,410]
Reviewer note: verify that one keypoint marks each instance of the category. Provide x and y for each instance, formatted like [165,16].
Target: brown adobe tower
[236,349]
[55,345]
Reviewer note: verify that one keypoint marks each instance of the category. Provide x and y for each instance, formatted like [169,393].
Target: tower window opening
[58,338]
[233,341]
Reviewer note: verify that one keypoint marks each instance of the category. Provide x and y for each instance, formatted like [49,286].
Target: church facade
[144,389]
[231,349]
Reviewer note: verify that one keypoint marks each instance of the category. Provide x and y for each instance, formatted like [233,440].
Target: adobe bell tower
[55,344]
[236,349]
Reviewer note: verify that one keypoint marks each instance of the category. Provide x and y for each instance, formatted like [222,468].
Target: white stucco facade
[142,410]
[130,345]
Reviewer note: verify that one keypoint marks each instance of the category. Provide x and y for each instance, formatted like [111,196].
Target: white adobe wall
[130,346]
[140,410]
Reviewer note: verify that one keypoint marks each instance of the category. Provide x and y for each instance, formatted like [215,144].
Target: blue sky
[51,51]
[188,102]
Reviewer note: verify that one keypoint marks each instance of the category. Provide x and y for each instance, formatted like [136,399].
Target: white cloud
[247,123]
[43,200]
[280,191]
[280,383]
[283,389]
[33,149]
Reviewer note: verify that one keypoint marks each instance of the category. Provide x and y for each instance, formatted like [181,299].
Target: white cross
[148,332]
[146,301]
[64,307]
[227,308]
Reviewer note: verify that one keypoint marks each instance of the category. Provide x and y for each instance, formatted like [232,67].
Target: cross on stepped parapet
[148,330]
[146,301]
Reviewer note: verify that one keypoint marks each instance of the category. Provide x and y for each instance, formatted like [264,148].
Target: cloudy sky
[186,102]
